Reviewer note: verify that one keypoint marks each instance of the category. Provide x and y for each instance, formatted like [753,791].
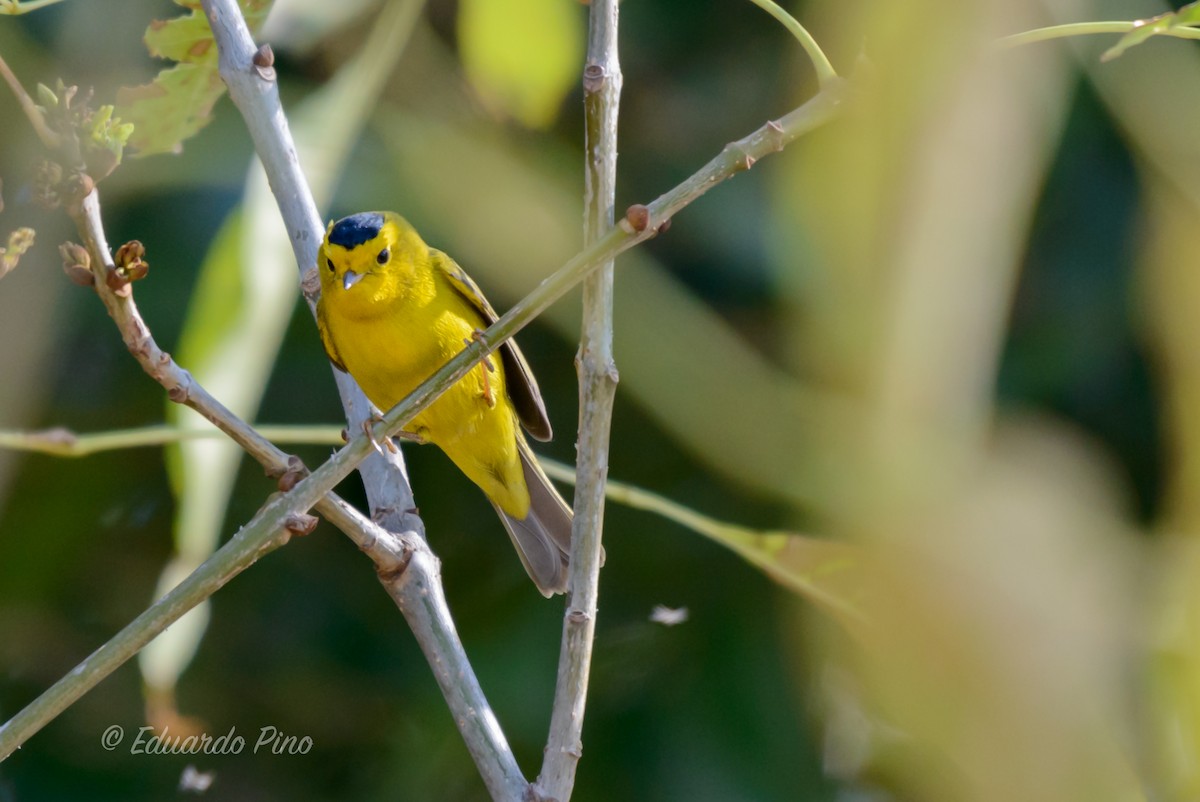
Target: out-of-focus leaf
[186,39]
[179,101]
[522,56]
[1186,17]
[19,242]
[1171,291]
[224,346]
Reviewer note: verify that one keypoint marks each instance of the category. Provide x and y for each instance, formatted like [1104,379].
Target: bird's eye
[383,256]
[329,262]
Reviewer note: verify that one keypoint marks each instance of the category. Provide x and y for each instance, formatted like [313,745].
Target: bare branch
[62,442]
[50,139]
[597,387]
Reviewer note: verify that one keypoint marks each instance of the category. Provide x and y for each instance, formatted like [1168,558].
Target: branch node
[775,134]
[264,62]
[178,393]
[77,187]
[310,285]
[296,470]
[593,78]
[393,573]
[300,524]
[638,217]
[578,617]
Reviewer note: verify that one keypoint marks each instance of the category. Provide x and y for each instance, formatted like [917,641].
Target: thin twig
[597,387]
[821,63]
[14,7]
[758,547]
[1064,31]
[50,139]
[1089,29]
[60,442]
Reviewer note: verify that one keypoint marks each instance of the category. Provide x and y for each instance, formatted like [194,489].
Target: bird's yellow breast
[391,338]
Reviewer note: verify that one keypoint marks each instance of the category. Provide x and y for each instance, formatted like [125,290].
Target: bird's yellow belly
[466,422]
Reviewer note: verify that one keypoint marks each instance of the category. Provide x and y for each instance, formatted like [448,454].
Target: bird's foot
[368,426]
[412,437]
[488,396]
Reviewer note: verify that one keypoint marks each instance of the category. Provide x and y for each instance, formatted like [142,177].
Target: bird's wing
[327,339]
[522,388]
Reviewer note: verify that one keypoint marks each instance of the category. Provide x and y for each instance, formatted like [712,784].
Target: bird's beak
[351,278]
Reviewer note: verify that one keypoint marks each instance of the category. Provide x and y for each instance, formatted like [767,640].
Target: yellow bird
[392,311]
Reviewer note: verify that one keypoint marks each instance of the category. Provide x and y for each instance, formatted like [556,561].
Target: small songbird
[393,311]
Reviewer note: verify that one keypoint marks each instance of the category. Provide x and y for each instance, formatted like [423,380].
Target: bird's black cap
[352,231]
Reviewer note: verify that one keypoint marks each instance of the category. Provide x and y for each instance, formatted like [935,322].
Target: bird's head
[366,251]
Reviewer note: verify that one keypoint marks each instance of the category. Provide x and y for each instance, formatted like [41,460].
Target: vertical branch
[416,586]
[254,91]
[597,387]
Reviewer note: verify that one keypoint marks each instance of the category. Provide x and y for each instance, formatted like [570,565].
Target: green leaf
[19,242]
[185,39]
[179,101]
[522,56]
[1185,17]
[1189,14]
[171,109]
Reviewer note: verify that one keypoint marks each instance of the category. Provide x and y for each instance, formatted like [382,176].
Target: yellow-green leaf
[179,101]
[1186,17]
[184,39]
[173,108]
[522,56]
[19,242]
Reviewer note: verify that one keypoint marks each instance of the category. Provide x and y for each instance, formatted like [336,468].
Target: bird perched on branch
[393,311]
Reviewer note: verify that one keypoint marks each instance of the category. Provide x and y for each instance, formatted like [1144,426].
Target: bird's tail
[543,537]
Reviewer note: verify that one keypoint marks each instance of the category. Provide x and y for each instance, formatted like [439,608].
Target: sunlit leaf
[184,39]
[179,101]
[522,56]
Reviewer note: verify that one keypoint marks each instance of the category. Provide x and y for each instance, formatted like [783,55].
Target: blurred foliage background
[953,330]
